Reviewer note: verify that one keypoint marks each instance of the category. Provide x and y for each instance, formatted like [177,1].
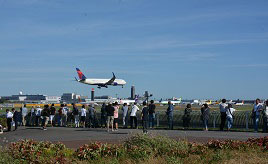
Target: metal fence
[242,119]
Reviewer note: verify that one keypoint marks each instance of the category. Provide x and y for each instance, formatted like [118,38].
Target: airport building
[52,100]
[70,98]
[132,96]
[25,98]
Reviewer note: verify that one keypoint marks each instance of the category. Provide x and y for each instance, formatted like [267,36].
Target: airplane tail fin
[80,74]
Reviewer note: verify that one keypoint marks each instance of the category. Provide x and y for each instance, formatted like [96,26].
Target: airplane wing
[111,80]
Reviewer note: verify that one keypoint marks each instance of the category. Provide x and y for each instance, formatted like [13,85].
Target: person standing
[151,114]
[65,110]
[92,113]
[45,116]
[60,114]
[52,114]
[75,113]
[110,117]
[9,116]
[145,117]
[265,117]
[257,108]
[133,116]
[24,112]
[103,115]
[205,112]
[116,110]
[38,116]
[83,116]
[187,116]
[125,115]
[223,107]
[169,113]
[15,117]
[229,116]
[33,112]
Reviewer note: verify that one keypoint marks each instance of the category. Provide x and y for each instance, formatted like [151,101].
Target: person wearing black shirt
[76,116]
[110,117]
[151,114]
[187,117]
[45,116]
[52,114]
[103,115]
[15,118]
[144,116]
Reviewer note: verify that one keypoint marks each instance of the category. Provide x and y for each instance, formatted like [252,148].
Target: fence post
[214,120]
[247,120]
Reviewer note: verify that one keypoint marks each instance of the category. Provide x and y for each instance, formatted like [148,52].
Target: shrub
[3,122]
[261,142]
[97,150]
[138,148]
[38,152]
[145,146]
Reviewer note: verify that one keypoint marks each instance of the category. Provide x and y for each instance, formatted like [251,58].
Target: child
[229,115]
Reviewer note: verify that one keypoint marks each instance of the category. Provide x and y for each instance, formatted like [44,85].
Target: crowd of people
[109,119]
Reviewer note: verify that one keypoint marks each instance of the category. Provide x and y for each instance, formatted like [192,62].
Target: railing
[242,119]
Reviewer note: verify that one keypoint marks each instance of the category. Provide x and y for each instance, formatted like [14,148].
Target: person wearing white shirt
[9,116]
[223,106]
[133,116]
[83,116]
[32,118]
[24,113]
[230,117]
[256,114]
[265,117]
[65,115]
[38,116]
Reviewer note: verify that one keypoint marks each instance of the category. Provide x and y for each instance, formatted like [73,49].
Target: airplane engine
[115,84]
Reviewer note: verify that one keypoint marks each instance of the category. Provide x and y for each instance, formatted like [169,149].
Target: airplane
[174,101]
[99,82]
[240,104]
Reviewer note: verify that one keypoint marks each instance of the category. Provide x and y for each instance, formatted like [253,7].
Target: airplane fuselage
[117,82]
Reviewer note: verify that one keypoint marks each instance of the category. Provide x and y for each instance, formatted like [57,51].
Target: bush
[39,152]
[3,122]
[145,146]
[138,148]
[98,150]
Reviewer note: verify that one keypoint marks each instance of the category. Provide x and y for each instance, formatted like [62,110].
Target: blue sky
[187,48]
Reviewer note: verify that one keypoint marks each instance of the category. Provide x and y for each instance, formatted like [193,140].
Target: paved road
[75,137]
